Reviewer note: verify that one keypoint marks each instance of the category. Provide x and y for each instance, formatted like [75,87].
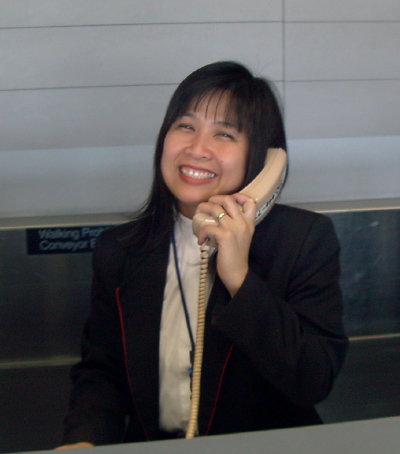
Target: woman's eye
[226,135]
[185,126]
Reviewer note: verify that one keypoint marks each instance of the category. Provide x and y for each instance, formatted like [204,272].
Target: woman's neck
[187,210]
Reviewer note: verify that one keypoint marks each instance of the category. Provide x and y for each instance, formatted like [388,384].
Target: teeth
[198,174]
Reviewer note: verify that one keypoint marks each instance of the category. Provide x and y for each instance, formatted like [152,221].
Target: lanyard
[183,299]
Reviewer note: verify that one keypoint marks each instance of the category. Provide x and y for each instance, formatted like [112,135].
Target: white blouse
[175,343]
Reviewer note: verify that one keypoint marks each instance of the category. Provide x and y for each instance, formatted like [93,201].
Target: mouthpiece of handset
[208,248]
[199,221]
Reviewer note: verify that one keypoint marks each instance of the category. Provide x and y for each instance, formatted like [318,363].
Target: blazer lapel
[141,296]
[217,350]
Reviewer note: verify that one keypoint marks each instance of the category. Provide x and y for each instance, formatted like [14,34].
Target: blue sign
[62,240]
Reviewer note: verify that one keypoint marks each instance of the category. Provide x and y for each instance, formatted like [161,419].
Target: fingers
[230,213]
[247,205]
[236,206]
[232,233]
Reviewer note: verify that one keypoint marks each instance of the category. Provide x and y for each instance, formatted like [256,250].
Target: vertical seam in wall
[284,58]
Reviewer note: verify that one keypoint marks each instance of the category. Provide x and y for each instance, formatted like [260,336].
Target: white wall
[84,86]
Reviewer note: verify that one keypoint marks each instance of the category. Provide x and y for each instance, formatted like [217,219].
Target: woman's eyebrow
[225,123]
[187,114]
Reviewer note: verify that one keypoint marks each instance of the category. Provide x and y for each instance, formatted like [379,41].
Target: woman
[274,340]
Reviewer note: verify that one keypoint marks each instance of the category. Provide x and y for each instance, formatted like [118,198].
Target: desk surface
[378,436]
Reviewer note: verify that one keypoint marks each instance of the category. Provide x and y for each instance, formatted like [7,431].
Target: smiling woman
[203,155]
[274,339]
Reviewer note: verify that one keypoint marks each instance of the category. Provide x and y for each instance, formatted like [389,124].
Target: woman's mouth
[196,174]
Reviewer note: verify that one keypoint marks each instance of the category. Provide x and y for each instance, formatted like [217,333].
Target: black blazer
[271,352]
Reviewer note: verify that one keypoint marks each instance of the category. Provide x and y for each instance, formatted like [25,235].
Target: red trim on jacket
[221,378]
[126,362]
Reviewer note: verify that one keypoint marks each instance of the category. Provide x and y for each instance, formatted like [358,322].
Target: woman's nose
[199,147]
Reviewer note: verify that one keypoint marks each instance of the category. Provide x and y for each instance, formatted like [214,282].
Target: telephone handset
[264,190]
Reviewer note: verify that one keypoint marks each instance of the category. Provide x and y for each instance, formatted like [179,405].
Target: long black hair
[251,103]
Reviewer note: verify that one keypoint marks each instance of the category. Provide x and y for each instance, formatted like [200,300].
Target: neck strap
[183,299]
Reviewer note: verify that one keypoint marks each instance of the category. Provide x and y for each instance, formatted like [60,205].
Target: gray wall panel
[112,116]
[82,117]
[342,51]
[117,179]
[93,56]
[343,109]
[36,13]
[342,10]
[72,181]
[320,163]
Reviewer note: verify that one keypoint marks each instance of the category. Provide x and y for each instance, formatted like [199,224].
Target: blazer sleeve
[289,324]
[99,398]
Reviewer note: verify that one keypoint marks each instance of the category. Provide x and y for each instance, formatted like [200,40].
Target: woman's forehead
[217,105]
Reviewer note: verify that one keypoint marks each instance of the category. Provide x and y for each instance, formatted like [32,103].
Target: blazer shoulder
[117,236]
[117,246]
[110,252]
[296,217]
[288,228]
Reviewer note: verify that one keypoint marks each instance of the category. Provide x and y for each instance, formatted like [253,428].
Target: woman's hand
[232,235]
[82,444]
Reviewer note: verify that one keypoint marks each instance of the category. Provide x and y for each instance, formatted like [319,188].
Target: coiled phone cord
[198,354]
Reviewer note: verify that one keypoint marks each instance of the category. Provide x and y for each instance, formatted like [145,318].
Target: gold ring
[221,215]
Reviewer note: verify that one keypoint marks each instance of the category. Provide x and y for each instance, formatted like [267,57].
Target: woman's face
[203,155]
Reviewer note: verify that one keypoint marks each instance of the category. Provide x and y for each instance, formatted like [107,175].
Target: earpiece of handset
[267,185]
[264,190]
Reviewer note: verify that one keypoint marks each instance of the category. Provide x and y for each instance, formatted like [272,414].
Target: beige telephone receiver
[264,190]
